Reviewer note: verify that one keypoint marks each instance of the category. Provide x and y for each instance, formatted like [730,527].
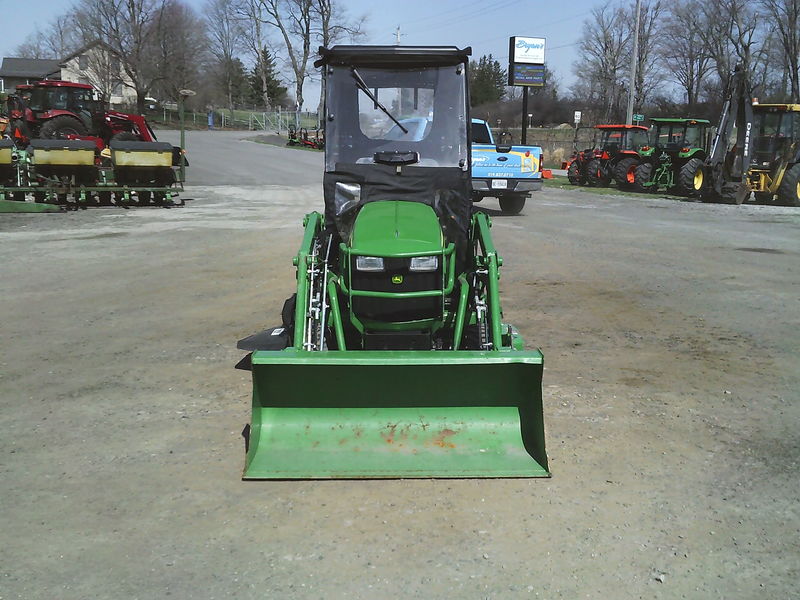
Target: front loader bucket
[396,414]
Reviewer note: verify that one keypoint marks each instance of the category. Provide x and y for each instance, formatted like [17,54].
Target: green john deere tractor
[392,360]
[675,160]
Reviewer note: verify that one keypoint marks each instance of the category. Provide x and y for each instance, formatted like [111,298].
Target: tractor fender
[693,153]
[52,114]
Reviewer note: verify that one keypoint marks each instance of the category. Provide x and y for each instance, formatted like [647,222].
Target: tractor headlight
[346,197]
[424,264]
[369,263]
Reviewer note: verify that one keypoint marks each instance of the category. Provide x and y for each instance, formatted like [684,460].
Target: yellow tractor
[764,157]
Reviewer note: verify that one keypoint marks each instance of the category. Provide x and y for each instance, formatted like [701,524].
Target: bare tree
[728,29]
[251,14]
[784,18]
[648,63]
[103,68]
[128,27]
[226,37]
[333,25]
[181,48]
[682,50]
[602,60]
[293,19]
[59,38]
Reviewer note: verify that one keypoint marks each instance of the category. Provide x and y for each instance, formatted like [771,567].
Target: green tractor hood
[390,228]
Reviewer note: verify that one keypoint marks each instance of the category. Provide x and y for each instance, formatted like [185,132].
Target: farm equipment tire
[642,175]
[125,136]
[595,175]
[573,174]
[691,178]
[512,205]
[789,191]
[625,173]
[60,127]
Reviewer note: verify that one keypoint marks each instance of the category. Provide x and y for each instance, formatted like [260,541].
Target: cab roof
[59,83]
[777,107]
[680,120]
[621,126]
[392,55]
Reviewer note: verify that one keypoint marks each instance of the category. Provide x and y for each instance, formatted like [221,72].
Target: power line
[571,17]
[442,14]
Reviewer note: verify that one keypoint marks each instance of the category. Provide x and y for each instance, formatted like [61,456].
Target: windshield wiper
[362,85]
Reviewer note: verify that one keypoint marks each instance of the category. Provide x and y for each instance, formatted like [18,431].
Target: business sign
[531,75]
[526,61]
[526,50]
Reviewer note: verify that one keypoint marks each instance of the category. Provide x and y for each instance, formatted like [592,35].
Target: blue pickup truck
[508,173]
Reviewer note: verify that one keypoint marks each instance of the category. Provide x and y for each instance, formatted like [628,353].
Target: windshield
[772,134]
[678,135]
[62,98]
[420,110]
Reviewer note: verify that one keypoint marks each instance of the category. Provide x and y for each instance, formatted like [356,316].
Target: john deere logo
[397,279]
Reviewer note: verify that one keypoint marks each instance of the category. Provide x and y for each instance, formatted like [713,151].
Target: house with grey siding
[20,71]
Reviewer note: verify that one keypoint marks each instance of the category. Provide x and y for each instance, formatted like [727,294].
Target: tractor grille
[394,310]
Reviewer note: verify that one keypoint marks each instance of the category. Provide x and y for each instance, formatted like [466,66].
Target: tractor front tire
[789,191]
[573,173]
[625,173]
[512,205]
[691,178]
[642,175]
[58,128]
[595,175]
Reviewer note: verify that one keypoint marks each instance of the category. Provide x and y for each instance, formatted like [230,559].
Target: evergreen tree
[240,84]
[276,93]
[487,81]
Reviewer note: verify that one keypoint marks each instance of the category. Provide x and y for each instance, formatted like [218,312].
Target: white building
[95,65]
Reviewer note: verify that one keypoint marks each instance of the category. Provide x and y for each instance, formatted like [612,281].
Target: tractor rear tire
[789,191]
[595,175]
[625,173]
[691,178]
[58,128]
[642,175]
[125,136]
[573,174]
[512,205]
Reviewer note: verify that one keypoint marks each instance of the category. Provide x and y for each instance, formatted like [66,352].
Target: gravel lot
[670,330]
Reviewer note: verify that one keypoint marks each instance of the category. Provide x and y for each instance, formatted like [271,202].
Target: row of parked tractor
[754,148]
[60,145]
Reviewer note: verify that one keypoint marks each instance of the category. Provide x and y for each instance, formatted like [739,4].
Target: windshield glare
[429,103]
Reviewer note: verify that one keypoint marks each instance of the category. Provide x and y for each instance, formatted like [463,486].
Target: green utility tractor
[392,359]
[675,160]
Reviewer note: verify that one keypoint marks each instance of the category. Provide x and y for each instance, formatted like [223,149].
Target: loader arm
[737,113]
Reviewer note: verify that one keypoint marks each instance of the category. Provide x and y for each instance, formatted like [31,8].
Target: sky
[485,25]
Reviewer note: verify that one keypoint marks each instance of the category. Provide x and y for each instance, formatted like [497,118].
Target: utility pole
[634,64]
[397,36]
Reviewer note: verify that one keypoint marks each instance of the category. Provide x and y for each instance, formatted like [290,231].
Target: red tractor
[67,110]
[615,157]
